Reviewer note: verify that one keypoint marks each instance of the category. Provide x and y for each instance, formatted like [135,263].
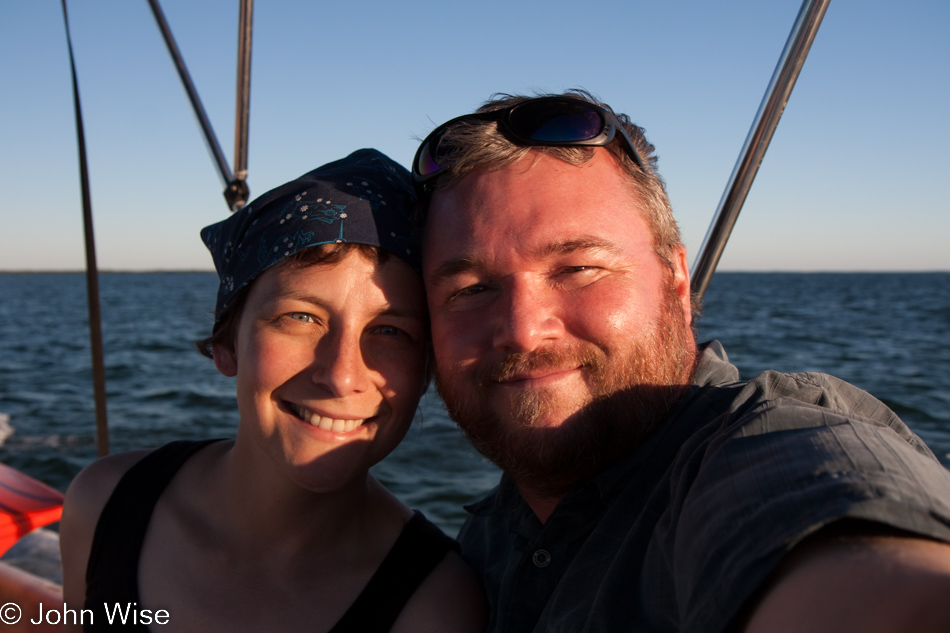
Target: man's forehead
[474,257]
[456,217]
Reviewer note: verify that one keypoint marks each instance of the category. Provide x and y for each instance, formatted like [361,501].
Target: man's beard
[631,393]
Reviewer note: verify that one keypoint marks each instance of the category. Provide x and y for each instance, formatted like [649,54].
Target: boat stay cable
[236,191]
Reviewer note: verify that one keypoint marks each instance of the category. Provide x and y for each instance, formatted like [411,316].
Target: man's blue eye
[301,316]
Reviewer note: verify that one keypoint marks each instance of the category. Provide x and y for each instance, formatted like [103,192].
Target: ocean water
[886,333]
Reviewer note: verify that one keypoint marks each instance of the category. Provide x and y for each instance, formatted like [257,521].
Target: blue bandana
[365,198]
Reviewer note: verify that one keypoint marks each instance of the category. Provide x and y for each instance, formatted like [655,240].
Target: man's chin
[537,409]
[549,451]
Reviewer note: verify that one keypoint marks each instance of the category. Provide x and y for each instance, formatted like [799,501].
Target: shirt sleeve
[797,452]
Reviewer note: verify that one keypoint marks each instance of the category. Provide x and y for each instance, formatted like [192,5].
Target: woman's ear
[225,360]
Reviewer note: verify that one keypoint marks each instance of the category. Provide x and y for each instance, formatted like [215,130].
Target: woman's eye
[388,330]
[468,291]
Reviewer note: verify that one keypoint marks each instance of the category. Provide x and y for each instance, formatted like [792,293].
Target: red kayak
[25,504]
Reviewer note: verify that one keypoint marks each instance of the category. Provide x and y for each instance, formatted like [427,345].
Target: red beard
[631,391]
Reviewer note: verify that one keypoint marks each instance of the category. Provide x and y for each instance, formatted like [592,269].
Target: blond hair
[478,145]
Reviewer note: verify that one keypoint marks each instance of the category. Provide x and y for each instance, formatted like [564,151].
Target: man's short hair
[479,146]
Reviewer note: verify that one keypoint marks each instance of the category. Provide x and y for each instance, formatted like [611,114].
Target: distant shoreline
[723,272]
[105,272]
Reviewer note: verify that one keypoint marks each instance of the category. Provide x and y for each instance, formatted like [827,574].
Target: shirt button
[541,558]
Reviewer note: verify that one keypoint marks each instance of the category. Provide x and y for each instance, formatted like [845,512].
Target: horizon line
[147,271]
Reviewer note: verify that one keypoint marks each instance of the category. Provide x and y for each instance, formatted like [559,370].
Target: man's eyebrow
[583,243]
[465,264]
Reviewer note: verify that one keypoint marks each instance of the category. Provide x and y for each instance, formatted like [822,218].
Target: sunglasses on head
[542,122]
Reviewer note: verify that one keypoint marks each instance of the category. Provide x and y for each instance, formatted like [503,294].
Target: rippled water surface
[886,333]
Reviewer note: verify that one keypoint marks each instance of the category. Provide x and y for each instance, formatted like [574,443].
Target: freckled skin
[325,339]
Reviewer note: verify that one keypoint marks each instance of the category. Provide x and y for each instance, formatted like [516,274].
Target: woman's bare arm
[450,600]
[85,498]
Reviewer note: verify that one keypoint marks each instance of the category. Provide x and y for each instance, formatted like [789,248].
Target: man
[645,487]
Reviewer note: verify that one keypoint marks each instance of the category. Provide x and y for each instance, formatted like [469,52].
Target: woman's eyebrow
[407,313]
[304,298]
[454,267]
[386,310]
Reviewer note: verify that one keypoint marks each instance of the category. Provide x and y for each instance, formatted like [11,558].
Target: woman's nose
[339,366]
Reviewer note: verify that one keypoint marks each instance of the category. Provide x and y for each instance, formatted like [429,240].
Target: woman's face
[330,362]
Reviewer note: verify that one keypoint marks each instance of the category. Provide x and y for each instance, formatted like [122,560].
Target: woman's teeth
[325,423]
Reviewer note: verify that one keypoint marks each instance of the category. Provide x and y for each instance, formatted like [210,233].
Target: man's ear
[681,282]
[225,360]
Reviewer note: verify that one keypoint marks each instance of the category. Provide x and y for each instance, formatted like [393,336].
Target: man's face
[560,337]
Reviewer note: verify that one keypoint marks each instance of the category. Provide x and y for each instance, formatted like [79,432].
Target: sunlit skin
[542,255]
[282,528]
[344,341]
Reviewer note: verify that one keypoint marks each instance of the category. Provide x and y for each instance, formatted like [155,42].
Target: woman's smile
[327,422]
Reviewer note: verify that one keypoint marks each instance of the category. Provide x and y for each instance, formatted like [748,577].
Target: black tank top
[112,571]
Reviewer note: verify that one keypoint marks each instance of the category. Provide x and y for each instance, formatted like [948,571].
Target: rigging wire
[236,191]
[239,194]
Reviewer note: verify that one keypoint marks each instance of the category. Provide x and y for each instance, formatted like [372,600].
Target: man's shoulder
[767,461]
[784,399]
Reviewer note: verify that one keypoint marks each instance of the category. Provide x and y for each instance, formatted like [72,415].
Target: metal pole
[238,192]
[760,135]
[212,141]
[92,272]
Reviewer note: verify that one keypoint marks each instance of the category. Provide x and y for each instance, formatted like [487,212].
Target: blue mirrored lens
[426,164]
[579,126]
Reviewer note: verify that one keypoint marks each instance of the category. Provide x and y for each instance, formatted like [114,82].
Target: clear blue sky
[855,179]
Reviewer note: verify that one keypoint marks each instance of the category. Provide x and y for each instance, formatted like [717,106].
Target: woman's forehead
[355,280]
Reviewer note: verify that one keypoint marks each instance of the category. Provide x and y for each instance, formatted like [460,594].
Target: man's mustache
[548,358]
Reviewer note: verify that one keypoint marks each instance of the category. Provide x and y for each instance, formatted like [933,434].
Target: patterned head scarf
[365,198]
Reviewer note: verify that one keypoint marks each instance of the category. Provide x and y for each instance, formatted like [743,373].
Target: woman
[321,319]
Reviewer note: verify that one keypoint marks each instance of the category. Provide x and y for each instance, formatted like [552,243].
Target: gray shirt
[680,533]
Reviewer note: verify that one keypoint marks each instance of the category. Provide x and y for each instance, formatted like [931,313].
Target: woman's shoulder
[105,471]
[85,498]
[450,599]
[91,488]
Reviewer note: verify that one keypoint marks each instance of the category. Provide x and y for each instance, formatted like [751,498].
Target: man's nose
[527,318]
[339,366]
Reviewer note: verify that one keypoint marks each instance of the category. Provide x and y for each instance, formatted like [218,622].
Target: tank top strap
[112,570]
[419,548]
